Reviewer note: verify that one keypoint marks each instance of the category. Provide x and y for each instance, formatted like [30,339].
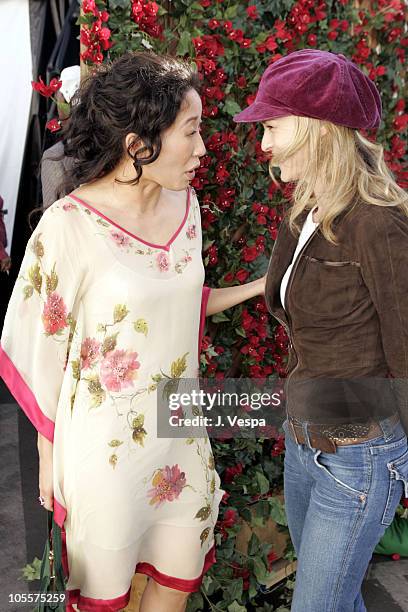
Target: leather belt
[328,444]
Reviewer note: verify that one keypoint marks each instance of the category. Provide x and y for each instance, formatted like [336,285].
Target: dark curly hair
[139,92]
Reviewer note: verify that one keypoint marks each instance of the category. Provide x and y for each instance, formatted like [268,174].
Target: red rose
[104,33]
[231,472]
[272,556]
[228,26]
[249,253]
[401,122]
[230,517]
[225,497]
[46,90]
[242,275]
[271,44]
[252,12]
[88,6]
[53,125]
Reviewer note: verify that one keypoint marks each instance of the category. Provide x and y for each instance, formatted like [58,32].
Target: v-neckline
[165,247]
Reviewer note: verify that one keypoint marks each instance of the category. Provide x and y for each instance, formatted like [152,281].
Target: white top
[307,230]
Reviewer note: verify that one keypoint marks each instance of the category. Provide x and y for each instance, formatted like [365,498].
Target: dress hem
[89,604]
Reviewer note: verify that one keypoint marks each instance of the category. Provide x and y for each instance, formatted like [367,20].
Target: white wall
[15,99]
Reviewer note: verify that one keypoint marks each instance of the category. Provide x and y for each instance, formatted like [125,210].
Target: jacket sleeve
[384,267]
[40,322]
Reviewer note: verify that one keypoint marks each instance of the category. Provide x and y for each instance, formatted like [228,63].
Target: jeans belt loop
[293,431]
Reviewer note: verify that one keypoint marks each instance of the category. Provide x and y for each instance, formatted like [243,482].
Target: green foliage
[31,571]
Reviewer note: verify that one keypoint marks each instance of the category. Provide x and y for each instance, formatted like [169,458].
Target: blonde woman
[337,280]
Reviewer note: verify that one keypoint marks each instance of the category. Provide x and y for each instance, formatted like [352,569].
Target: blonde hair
[350,167]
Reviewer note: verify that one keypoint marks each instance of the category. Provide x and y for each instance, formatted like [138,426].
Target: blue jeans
[338,506]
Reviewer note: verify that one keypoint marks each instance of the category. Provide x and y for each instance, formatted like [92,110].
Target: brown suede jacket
[346,316]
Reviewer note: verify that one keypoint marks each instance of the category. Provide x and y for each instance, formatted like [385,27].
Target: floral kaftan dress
[97,318]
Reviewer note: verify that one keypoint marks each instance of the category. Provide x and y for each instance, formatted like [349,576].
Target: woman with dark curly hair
[109,302]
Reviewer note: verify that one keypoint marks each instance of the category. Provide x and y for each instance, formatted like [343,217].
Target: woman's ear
[133,143]
[323,130]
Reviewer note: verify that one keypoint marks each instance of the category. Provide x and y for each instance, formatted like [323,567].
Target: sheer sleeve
[40,321]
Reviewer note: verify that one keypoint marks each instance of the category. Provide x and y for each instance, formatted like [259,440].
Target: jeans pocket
[398,470]
[348,475]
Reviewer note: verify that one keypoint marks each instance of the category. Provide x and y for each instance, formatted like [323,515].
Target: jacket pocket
[334,264]
[398,486]
[327,289]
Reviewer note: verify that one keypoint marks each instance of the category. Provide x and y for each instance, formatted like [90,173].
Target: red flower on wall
[46,90]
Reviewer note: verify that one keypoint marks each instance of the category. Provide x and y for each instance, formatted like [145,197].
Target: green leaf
[235,589]
[31,571]
[114,4]
[231,12]
[263,483]
[220,317]
[260,570]
[231,107]
[236,607]
[277,512]
[240,332]
[253,545]
[184,45]
[195,602]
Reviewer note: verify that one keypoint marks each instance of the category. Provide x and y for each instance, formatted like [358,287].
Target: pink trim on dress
[97,605]
[166,247]
[188,586]
[112,605]
[24,396]
[59,513]
[204,301]
[26,400]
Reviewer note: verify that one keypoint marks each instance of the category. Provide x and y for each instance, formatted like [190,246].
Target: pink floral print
[162,261]
[120,239]
[118,369]
[191,232]
[167,483]
[90,349]
[54,315]
[69,206]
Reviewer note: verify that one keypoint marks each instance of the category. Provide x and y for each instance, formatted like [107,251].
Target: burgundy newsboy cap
[319,84]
